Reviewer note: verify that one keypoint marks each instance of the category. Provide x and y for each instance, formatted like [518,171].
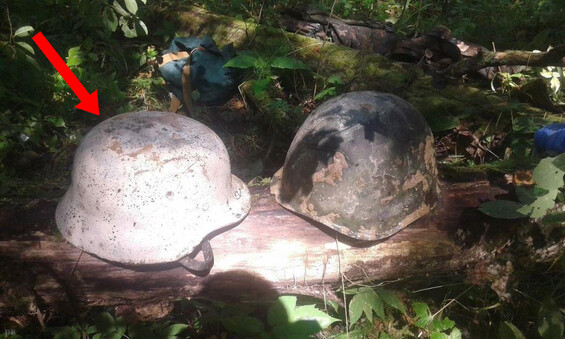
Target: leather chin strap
[185,79]
[196,265]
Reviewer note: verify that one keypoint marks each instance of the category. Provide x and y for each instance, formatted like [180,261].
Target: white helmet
[148,187]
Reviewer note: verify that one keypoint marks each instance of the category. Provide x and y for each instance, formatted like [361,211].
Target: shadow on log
[272,251]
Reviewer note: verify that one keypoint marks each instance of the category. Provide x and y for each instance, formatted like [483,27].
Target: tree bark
[272,251]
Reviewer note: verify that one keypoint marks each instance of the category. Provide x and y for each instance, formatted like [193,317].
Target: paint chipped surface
[381,173]
[334,171]
[139,194]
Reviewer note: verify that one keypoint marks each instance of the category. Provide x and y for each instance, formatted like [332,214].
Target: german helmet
[147,188]
[362,163]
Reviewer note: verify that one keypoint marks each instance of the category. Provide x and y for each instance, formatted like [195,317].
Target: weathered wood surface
[270,252]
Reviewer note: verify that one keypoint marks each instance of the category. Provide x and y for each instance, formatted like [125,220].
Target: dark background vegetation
[107,44]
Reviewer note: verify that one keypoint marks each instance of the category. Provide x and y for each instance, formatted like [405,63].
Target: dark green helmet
[363,164]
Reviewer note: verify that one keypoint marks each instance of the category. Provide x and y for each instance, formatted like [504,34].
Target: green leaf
[328,91]
[119,9]
[423,315]
[391,299]
[288,320]
[105,323]
[131,5]
[542,204]
[507,330]
[527,195]
[288,63]
[141,28]
[25,46]
[503,209]
[56,121]
[365,301]
[242,61]
[109,19]
[243,324]
[547,175]
[175,329]
[550,320]
[129,32]
[66,332]
[443,122]
[23,31]
[75,56]
[554,218]
[559,161]
[261,85]
[335,80]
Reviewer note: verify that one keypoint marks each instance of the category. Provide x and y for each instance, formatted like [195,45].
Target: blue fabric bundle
[214,82]
[551,139]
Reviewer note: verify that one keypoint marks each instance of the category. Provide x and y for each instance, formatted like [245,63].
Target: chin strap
[196,265]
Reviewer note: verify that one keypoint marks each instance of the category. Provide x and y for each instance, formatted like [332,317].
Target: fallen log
[272,251]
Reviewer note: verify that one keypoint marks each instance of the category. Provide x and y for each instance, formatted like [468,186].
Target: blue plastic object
[551,139]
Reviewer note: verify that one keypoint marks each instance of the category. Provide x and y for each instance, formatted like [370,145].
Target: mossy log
[272,251]
[359,70]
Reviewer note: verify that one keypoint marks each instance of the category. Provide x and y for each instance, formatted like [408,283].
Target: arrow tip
[90,103]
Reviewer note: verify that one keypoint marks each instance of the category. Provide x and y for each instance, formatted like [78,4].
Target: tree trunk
[272,251]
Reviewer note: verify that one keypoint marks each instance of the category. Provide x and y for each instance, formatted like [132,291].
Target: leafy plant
[533,202]
[263,68]
[436,327]
[332,85]
[368,300]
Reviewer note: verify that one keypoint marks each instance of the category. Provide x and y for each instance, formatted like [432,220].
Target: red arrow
[88,102]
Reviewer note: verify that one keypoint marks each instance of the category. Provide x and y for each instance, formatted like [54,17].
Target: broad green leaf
[33,62]
[25,46]
[423,315]
[105,323]
[438,335]
[550,320]
[75,56]
[129,32]
[119,9]
[559,161]
[443,324]
[243,324]
[527,195]
[140,28]
[554,218]
[23,31]
[328,91]
[455,334]
[542,204]
[131,5]
[278,312]
[502,209]
[56,121]
[547,175]
[443,122]
[66,332]
[311,313]
[261,85]
[365,301]
[242,61]
[288,63]
[109,19]
[335,80]
[391,299]
[507,330]
[175,329]
[290,320]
